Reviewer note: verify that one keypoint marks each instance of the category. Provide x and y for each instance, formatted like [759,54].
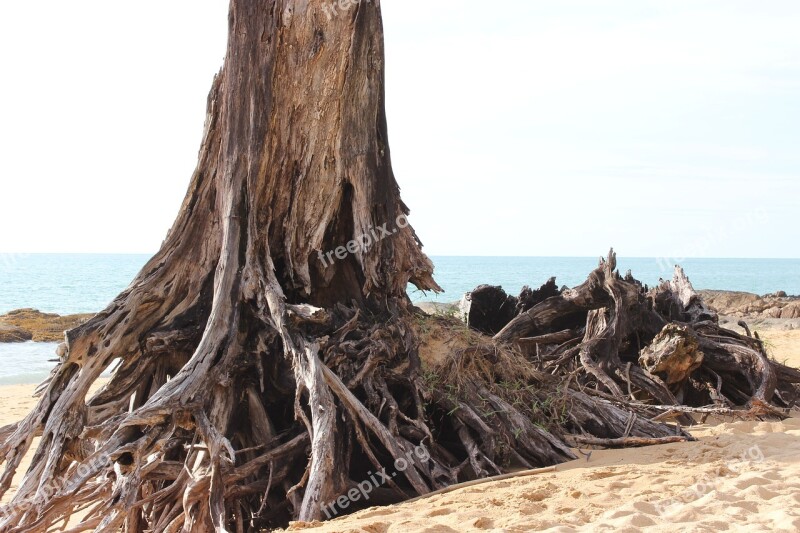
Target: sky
[517,127]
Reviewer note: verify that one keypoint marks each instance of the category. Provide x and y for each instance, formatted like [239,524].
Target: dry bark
[260,377]
[218,367]
[628,442]
[660,345]
[488,308]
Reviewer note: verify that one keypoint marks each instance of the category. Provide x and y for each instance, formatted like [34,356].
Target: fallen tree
[662,345]
[269,355]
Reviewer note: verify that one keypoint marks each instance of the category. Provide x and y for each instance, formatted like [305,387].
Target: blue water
[85,283]
[65,283]
[458,275]
[28,362]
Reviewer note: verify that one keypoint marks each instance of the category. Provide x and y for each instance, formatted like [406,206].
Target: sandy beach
[16,401]
[739,476]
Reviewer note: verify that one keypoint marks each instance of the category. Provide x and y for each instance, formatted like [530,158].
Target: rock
[752,306]
[791,311]
[14,334]
[30,324]
[773,312]
[438,308]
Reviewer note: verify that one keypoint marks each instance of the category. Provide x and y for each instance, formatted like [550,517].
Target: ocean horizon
[87,283]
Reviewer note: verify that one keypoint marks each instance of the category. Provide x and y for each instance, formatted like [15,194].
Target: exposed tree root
[265,438]
[636,346]
[260,379]
[628,442]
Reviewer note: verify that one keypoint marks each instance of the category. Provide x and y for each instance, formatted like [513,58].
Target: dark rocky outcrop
[14,334]
[753,306]
[32,325]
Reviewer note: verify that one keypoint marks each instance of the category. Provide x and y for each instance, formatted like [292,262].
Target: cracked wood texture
[256,382]
[294,160]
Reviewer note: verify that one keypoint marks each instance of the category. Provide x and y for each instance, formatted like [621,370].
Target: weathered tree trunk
[268,352]
[220,335]
[269,355]
[662,345]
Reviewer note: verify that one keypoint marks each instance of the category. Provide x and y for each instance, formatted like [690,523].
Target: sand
[783,346]
[739,476]
[16,401]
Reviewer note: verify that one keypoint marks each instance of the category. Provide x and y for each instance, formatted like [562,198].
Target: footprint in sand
[535,496]
[750,507]
[483,523]
[624,520]
[772,475]
[378,527]
[713,525]
[642,521]
[602,474]
[750,480]
[375,513]
[533,509]
[646,508]
[765,493]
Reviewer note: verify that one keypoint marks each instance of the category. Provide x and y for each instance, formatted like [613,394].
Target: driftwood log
[664,346]
[269,357]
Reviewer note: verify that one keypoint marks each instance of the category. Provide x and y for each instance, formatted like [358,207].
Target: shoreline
[738,475]
[28,324]
[774,316]
[16,401]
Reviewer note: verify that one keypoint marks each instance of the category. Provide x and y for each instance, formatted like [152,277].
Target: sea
[86,283]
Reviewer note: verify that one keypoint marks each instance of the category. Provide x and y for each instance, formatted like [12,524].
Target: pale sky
[517,127]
